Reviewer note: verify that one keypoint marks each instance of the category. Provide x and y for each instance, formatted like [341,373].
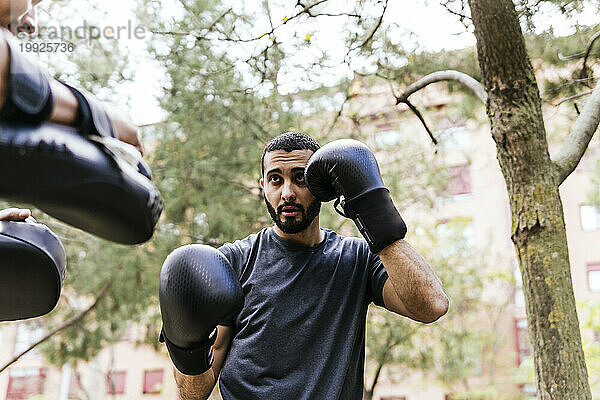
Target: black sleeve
[377,277]
[229,251]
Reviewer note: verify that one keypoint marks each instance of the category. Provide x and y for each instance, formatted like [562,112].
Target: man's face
[288,200]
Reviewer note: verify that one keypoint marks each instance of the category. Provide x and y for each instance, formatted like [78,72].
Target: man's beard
[290,224]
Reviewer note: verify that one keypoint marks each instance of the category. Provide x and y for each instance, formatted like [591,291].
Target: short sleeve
[229,251]
[377,277]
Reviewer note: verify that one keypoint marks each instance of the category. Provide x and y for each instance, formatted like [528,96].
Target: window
[454,137]
[25,382]
[519,298]
[593,273]
[459,227]
[74,386]
[590,218]
[522,340]
[153,381]
[460,180]
[115,382]
[26,336]
[388,138]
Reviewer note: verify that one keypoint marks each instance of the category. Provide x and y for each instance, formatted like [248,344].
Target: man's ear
[261,182]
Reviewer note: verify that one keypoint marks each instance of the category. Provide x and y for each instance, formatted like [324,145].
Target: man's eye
[300,178]
[274,178]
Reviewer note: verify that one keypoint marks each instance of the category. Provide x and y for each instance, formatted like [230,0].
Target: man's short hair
[289,141]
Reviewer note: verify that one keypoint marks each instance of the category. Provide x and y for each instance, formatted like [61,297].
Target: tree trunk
[532,179]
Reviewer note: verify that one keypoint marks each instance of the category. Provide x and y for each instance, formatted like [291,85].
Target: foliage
[463,343]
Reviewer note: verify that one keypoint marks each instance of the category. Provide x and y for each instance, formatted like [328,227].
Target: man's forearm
[197,387]
[414,282]
[64,104]
[64,110]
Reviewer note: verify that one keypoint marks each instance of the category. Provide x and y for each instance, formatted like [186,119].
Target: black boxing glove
[347,170]
[29,97]
[197,289]
[92,118]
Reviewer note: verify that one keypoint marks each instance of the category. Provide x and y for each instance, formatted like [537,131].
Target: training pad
[79,181]
[32,270]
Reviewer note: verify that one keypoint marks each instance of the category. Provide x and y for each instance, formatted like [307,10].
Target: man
[20,16]
[300,333]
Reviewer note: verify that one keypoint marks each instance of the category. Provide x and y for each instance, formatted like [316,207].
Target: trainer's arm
[64,110]
[196,387]
[412,289]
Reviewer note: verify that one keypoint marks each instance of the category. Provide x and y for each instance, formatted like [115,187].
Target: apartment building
[477,193]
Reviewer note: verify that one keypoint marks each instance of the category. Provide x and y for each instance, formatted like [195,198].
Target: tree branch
[587,53]
[376,378]
[575,96]
[379,21]
[576,143]
[340,111]
[65,325]
[418,114]
[448,75]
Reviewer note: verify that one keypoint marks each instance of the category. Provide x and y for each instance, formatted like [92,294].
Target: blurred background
[211,82]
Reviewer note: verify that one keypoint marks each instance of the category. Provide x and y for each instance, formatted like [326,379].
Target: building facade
[476,192]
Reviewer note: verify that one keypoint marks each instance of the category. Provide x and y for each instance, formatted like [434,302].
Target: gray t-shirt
[301,331]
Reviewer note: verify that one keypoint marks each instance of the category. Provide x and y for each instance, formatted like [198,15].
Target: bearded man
[290,302]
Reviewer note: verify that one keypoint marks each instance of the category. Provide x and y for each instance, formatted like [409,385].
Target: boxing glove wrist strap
[29,97]
[375,217]
[92,118]
[191,361]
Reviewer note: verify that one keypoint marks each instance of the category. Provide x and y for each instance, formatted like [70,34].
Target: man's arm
[412,289]
[194,387]
[65,106]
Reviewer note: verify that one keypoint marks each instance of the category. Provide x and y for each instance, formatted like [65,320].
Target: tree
[533,179]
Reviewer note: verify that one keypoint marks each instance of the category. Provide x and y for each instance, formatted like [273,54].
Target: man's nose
[288,194]
[28,23]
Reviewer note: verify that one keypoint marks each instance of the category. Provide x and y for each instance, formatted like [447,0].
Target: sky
[422,25]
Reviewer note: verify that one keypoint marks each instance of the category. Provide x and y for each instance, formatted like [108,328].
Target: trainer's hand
[125,130]
[15,214]
[347,168]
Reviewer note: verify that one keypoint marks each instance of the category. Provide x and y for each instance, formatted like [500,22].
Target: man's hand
[197,289]
[15,214]
[347,168]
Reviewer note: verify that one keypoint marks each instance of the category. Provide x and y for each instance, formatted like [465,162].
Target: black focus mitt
[97,184]
[32,267]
